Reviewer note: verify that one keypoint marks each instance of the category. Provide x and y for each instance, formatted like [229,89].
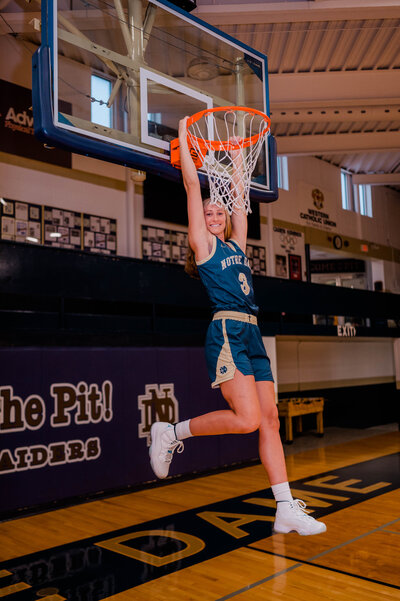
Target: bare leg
[244,415]
[252,406]
[270,444]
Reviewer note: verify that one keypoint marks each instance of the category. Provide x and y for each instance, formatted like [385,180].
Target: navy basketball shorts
[234,342]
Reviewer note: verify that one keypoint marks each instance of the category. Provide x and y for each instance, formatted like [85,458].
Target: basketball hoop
[227,141]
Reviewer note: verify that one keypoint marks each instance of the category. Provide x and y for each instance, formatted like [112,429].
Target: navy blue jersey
[226,274]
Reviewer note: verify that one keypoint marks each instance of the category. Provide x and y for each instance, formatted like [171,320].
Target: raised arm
[200,239]
[239,216]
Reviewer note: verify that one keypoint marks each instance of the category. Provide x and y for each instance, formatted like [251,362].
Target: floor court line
[258,582]
[322,567]
[391,531]
[311,561]
[352,540]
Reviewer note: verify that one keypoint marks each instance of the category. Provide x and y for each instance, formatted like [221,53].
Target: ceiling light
[202,70]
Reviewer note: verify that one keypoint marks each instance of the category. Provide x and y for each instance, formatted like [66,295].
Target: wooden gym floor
[210,538]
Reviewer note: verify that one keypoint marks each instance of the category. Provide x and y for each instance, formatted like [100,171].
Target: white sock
[182,430]
[282,492]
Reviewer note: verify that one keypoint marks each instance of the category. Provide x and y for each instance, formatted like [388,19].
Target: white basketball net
[229,168]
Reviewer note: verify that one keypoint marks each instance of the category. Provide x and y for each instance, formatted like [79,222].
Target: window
[355,197]
[154,117]
[365,200]
[100,92]
[347,191]
[283,173]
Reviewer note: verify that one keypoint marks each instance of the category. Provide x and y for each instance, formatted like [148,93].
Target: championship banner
[76,421]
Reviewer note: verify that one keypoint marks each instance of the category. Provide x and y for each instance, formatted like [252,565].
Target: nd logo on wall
[318,198]
[158,404]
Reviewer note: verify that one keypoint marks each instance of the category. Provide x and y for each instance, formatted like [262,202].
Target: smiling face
[215,217]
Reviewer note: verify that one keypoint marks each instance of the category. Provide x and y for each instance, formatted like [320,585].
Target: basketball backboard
[156,63]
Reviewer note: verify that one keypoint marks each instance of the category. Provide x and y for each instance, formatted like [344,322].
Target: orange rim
[227,145]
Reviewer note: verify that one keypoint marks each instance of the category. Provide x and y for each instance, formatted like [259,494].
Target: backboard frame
[54,130]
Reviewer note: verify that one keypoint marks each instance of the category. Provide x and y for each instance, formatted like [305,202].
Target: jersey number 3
[244,284]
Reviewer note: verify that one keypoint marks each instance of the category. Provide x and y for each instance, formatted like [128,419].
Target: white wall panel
[307,364]
[287,363]
[270,347]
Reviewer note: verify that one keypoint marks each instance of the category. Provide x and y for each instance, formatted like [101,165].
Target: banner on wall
[289,253]
[78,420]
[16,127]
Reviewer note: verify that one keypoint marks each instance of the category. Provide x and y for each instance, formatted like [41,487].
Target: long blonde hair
[190,265]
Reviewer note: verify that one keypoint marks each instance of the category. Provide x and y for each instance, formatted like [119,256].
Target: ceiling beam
[283,12]
[344,113]
[377,179]
[338,143]
[336,88]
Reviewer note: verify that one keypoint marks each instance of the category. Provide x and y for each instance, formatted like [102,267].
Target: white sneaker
[163,445]
[292,516]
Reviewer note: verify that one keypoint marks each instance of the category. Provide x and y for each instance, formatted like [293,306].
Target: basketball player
[236,358]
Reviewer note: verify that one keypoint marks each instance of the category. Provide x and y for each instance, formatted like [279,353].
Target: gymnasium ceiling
[334,70]
[334,76]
